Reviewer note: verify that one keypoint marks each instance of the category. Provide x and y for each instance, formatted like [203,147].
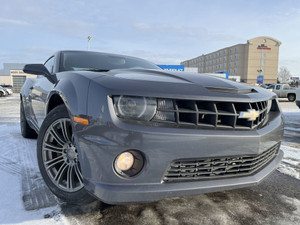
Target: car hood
[159,83]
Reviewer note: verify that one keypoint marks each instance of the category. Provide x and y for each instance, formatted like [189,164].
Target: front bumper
[103,140]
[120,193]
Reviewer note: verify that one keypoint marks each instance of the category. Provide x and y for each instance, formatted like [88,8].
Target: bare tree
[284,74]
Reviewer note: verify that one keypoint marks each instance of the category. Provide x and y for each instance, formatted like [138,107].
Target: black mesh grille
[213,168]
[207,114]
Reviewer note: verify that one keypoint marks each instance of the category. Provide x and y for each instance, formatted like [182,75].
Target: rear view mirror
[39,69]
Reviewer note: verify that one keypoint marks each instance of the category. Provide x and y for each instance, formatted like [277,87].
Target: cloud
[179,31]
[74,28]
[155,57]
[14,22]
[141,26]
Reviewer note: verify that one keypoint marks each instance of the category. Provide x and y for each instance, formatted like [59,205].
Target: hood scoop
[232,90]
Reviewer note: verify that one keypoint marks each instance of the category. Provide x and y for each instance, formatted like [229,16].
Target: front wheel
[58,158]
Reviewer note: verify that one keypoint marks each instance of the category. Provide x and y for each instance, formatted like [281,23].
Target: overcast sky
[164,32]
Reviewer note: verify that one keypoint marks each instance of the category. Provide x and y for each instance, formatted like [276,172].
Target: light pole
[89,38]
[261,47]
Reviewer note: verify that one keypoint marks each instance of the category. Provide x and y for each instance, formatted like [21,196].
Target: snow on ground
[25,199]
[20,182]
[290,164]
[288,107]
[12,209]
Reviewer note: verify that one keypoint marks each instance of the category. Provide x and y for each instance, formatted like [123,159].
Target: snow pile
[290,164]
[12,209]
[14,168]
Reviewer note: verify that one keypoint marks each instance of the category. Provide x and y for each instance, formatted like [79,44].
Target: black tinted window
[50,64]
[100,61]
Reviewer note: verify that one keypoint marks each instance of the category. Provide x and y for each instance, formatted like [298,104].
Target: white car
[298,97]
[2,91]
[7,89]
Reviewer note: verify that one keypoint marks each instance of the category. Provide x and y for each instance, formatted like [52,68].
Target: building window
[235,63]
[231,58]
[225,65]
[230,50]
[225,51]
[230,64]
[236,49]
[224,58]
[236,56]
[220,60]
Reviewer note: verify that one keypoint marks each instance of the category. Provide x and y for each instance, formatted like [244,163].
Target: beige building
[259,56]
[12,74]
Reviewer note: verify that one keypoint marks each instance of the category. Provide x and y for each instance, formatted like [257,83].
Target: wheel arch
[70,92]
[54,100]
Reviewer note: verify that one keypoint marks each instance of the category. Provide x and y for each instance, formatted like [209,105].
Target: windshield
[75,61]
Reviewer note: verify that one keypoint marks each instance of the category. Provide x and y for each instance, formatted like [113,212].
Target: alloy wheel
[60,156]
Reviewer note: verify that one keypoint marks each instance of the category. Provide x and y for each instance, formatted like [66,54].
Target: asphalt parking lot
[28,201]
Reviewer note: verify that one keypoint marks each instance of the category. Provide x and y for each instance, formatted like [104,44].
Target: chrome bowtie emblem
[251,115]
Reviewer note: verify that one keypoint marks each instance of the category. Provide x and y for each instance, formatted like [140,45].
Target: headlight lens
[137,108]
[269,105]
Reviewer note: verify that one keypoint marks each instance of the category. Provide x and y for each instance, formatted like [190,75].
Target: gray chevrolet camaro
[120,129]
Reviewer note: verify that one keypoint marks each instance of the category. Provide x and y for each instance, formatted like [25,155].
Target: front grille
[223,167]
[207,114]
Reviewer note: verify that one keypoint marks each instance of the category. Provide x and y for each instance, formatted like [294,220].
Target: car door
[39,92]
[277,90]
[285,90]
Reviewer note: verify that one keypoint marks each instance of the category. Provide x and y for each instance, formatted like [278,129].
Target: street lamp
[261,47]
[89,38]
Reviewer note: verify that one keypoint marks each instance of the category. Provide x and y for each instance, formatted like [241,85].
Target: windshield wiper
[97,70]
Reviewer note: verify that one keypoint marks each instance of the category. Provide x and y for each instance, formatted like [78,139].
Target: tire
[1,94]
[291,97]
[26,130]
[58,158]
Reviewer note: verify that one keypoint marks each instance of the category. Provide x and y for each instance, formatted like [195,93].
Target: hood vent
[232,90]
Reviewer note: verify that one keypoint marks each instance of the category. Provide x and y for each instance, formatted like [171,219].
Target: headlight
[269,105]
[137,108]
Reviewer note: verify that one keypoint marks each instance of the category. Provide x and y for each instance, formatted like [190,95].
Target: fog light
[125,161]
[129,163]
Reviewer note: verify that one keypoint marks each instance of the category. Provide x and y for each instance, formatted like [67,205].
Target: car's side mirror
[39,69]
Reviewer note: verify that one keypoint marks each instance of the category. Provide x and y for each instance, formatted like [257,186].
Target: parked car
[265,85]
[2,92]
[284,91]
[298,97]
[8,88]
[120,129]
